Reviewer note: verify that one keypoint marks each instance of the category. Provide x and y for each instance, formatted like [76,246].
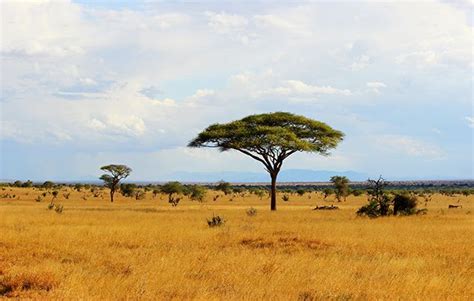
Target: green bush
[404,204]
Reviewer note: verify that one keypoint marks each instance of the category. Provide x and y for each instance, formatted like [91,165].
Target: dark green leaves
[277,132]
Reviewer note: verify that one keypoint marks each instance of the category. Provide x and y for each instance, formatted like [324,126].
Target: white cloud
[226,23]
[375,87]
[150,79]
[410,146]
[296,89]
[470,121]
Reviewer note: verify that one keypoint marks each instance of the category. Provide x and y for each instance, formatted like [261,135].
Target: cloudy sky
[87,83]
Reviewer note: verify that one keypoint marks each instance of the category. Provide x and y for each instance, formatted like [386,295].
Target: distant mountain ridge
[288,175]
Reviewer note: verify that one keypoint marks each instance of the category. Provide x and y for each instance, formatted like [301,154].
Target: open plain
[146,249]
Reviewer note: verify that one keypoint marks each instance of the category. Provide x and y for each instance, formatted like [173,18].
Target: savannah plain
[147,249]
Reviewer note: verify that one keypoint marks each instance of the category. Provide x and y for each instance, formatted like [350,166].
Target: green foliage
[225,187]
[327,192]
[341,185]
[128,189]
[300,192]
[404,204]
[381,203]
[48,185]
[198,192]
[173,190]
[78,186]
[357,192]
[27,184]
[116,173]
[270,139]
[281,130]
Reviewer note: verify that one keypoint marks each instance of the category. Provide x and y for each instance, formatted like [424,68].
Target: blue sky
[88,83]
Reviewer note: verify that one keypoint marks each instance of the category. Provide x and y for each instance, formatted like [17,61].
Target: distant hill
[288,175]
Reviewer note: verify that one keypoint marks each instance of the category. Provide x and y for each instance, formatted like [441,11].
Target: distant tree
[116,174]
[224,186]
[155,192]
[341,185]
[198,192]
[17,183]
[300,192]
[128,189]
[172,189]
[27,184]
[270,139]
[78,186]
[327,192]
[48,185]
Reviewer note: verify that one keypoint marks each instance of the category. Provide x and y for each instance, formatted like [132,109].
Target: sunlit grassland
[146,249]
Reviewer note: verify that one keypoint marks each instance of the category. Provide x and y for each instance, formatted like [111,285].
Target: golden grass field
[146,249]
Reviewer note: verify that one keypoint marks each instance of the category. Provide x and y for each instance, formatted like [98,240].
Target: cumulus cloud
[375,87]
[410,146]
[470,121]
[156,77]
[296,88]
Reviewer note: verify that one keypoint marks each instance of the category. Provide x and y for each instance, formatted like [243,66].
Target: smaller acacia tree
[224,186]
[112,180]
[341,185]
[172,189]
[197,192]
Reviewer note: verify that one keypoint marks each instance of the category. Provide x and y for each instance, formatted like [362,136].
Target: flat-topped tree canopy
[117,173]
[270,138]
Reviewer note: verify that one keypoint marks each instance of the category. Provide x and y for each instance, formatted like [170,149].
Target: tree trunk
[273,192]
[111,196]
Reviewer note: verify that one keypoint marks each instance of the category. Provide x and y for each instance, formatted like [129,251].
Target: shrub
[225,187]
[140,195]
[58,208]
[197,193]
[251,211]
[404,204]
[215,221]
[300,192]
[327,192]
[286,198]
[128,189]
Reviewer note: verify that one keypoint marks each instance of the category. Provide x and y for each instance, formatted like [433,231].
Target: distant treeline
[355,188]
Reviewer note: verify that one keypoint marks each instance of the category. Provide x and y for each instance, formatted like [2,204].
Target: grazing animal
[332,207]
[454,206]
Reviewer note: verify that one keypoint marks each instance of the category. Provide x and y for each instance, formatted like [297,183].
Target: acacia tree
[270,139]
[117,173]
[341,184]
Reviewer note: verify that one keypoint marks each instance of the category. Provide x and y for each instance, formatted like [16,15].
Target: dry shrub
[10,286]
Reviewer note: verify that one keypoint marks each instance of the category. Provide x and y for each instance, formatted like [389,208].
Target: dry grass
[147,250]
